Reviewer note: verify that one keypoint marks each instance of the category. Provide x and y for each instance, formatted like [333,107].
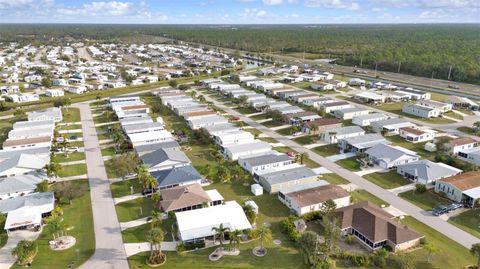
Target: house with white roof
[197,123]
[415,135]
[197,225]
[54,93]
[421,111]
[333,136]
[20,97]
[391,126]
[361,143]
[349,113]
[19,185]
[138,139]
[53,113]
[471,155]
[234,151]
[366,120]
[257,164]
[238,137]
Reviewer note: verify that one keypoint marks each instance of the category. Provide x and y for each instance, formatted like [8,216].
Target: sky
[240,11]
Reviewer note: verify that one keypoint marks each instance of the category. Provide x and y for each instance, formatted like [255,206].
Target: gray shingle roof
[177,175]
[19,183]
[388,153]
[36,199]
[266,159]
[429,170]
[144,149]
[161,155]
[288,175]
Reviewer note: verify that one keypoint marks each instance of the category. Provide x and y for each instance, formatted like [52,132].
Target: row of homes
[24,154]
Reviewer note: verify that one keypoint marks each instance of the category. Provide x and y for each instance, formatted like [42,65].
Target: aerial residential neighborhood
[251,134]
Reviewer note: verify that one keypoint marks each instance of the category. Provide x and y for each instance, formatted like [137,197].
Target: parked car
[453,87]
[454,206]
[297,133]
[439,210]
[73,137]
[60,139]
[149,191]
[72,149]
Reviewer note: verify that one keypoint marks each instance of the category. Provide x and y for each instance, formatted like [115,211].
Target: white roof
[199,223]
[159,134]
[22,217]
[474,193]
[214,195]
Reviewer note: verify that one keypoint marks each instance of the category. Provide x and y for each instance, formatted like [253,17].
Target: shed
[256,189]
[253,205]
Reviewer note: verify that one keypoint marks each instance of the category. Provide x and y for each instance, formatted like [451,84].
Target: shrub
[350,239]
[289,228]
[420,188]
[310,216]
[379,258]
[190,246]
[360,260]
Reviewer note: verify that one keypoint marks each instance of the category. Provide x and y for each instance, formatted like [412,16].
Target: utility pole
[375,69]
[399,64]
[449,72]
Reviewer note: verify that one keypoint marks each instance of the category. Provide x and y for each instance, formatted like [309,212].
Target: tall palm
[142,174]
[235,238]
[150,182]
[220,233]
[64,144]
[475,251]
[264,235]
[155,238]
[54,223]
[314,128]
[156,219]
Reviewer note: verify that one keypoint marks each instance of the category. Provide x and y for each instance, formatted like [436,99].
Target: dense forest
[418,49]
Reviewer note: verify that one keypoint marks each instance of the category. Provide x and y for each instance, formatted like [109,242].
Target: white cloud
[337,4]
[112,8]
[253,12]
[272,2]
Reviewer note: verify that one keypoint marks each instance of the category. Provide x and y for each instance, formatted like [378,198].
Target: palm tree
[142,174]
[314,128]
[301,157]
[264,234]
[476,126]
[64,145]
[52,169]
[54,223]
[235,238]
[150,182]
[220,233]
[119,139]
[431,249]
[156,197]
[25,251]
[155,238]
[156,219]
[250,213]
[475,251]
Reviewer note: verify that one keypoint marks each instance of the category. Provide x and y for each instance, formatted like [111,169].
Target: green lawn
[285,131]
[334,179]
[5,127]
[272,123]
[468,130]
[110,151]
[70,127]
[426,200]
[3,233]
[454,115]
[327,150]
[363,195]
[246,110]
[306,140]
[76,156]
[419,148]
[71,114]
[134,209]
[259,117]
[303,85]
[387,180]
[450,255]
[139,234]
[73,170]
[350,163]
[253,131]
[79,215]
[111,170]
[122,188]
[468,221]
[268,139]
[397,109]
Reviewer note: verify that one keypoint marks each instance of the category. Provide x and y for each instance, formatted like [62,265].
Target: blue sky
[239,11]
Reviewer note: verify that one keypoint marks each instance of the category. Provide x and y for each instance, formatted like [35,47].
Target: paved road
[109,250]
[427,218]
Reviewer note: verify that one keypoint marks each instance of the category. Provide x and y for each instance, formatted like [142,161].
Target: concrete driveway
[6,258]
[341,156]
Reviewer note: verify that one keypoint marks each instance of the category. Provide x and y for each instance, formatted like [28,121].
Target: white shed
[256,189]
[253,205]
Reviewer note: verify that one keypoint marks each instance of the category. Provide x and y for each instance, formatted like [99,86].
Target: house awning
[22,217]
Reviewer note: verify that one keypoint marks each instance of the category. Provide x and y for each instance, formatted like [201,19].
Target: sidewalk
[127,198]
[135,248]
[133,223]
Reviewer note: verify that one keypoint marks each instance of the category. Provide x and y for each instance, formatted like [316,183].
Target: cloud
[112,8]
[253,12]
[23,4]
[336,4]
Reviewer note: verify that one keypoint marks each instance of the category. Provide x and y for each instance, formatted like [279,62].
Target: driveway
[109,250]
[341,156]
[6,258]
[454,233]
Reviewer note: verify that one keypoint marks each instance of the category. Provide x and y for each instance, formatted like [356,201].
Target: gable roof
[36,199]
[162,155]
[182,196]
[389,153]
[266,159]
[147,148]
[374,223]
[19,183]
[429,170]
[461,141]
[464,181]
[176,175]
[317,195]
